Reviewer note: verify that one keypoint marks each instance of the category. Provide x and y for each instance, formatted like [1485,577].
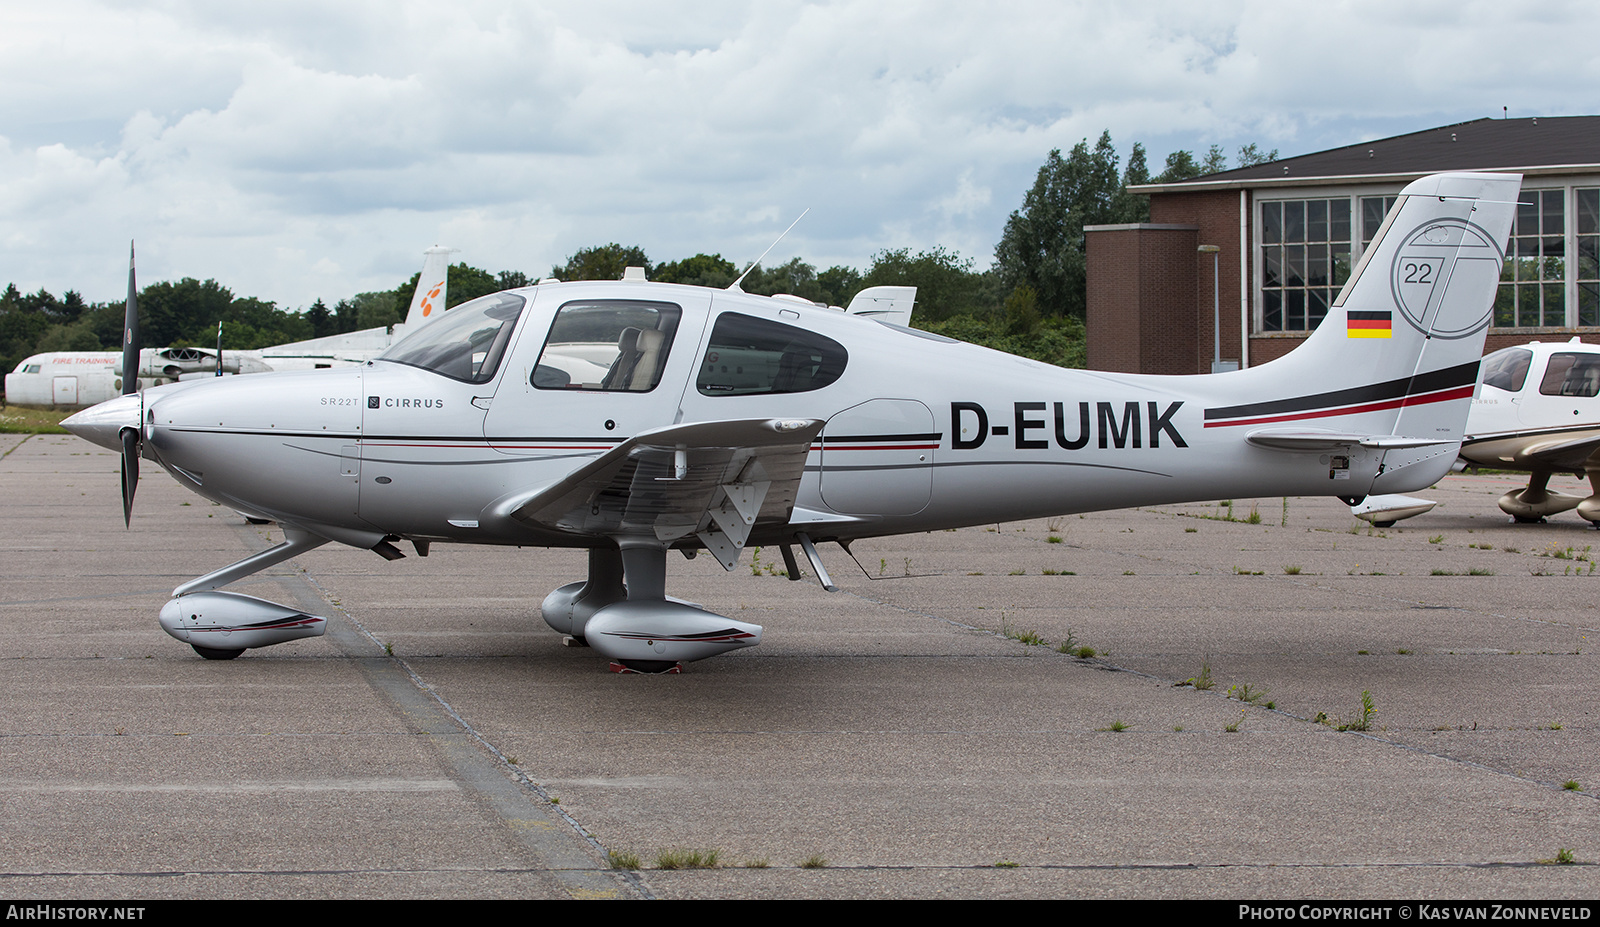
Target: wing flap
[714,479]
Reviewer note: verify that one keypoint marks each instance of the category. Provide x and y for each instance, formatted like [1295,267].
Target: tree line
[1030,301]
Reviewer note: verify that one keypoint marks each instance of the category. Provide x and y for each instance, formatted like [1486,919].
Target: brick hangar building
[1280,239]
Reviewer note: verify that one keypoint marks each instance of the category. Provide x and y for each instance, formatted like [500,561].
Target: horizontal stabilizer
[1311,440]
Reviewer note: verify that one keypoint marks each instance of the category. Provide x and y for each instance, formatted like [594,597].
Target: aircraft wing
[1571,454]
[716,480]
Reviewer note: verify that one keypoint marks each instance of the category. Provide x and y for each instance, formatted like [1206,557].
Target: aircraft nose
[103,424]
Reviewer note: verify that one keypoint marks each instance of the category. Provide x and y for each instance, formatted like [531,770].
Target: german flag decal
[1360,324]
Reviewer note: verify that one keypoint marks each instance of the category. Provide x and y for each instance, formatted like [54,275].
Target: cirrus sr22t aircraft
[634,418]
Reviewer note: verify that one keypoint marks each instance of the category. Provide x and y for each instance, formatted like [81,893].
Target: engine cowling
[670,632]
[231,621]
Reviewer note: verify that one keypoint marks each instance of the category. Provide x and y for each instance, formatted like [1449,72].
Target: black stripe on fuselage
[1460,375]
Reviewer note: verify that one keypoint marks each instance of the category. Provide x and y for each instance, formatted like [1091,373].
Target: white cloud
[297,150]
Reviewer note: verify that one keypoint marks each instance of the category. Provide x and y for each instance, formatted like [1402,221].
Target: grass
[1117,727]
[1031,638]
[624,860]
[1572,785]
[1004,864]
[680,858]
[1052,539]
[1291,570]
[1247,693]
[1202,682]
[20,420]
[1363,720]
[814,861]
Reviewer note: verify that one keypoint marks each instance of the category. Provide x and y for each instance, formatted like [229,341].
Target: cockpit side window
[467,344]
[611,345]
[750,356]
[1572,375]
[1508,369]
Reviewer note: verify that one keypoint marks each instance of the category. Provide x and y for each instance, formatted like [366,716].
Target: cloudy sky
[304,150]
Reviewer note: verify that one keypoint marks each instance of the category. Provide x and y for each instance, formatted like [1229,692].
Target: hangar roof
[1540,144]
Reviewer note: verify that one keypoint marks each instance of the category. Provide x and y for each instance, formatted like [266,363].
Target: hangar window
[1588,264]
[612,345]
[1533,286]
[750,356]
[1305,259]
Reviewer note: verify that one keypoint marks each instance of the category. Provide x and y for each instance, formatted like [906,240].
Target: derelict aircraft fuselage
[634,418]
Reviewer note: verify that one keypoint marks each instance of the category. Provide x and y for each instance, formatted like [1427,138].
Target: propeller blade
[130,473]
[130,385]
[130,333]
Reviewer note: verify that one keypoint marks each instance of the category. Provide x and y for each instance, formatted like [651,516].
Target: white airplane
[723,420]
[1538,409]
[83,378]
[1546,423]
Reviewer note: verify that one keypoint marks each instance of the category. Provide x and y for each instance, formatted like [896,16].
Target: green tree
[512,279]
[945,281]
[708,270]
[1042,246]
[1216,161]
[838,284]
[603,262]
[1180,166]
[175,313]
[322,321]
[372,310]
[1250,155]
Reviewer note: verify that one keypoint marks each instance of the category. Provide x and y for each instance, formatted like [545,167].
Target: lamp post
[1216,310]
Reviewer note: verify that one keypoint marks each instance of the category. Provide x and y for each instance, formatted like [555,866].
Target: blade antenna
[734,286]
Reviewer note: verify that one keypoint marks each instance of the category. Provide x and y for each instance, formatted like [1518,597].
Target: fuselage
[922,432]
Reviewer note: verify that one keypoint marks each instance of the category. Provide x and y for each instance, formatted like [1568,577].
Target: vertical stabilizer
[429,301]
[1396,358]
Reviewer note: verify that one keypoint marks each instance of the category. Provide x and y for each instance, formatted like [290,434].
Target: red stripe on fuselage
[1421,399]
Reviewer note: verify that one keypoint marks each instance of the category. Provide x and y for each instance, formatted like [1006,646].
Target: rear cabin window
[1572,375]
[612,345]
[1508,369]
[750,356]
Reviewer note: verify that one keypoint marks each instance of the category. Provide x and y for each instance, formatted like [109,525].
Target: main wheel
[212,653]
